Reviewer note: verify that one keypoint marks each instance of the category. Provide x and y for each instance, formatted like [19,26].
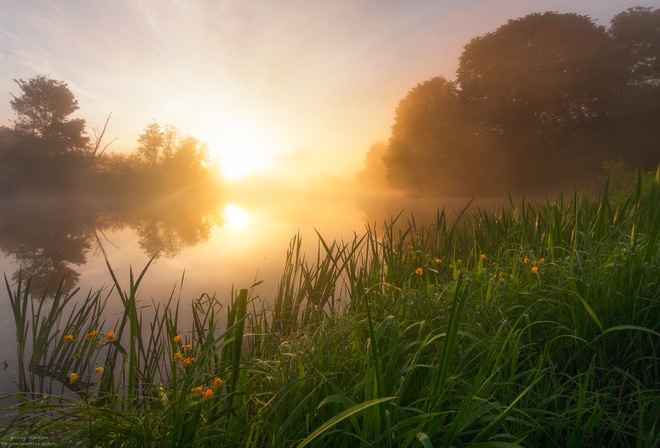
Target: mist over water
[211,247]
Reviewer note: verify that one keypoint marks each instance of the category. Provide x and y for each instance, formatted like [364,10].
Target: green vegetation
[529,325]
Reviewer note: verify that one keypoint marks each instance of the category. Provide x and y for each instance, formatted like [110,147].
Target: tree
[537,106]
[636,32]
[374,174]
[43,111]
[544,89]
[547,73]
[171,161]
[150,143]
[433,146]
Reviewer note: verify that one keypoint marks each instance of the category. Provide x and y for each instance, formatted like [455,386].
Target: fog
[242,235]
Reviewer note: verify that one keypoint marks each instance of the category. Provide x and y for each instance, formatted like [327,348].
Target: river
[231,243]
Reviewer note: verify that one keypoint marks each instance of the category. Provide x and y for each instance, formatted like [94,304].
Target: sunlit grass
[535,324]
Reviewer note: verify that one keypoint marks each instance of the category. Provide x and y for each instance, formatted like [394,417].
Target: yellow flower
[196,390]
[419,271]
[111,336]
[208,394]
[483,256]
[527,260]
[217,383]
[99,369]
[91,335]
[177,357]
[73,378]
[438,260]
[502,280]
[188,348]
[188,361]
[68,338]
[176,339]
[535,269]
[542,261]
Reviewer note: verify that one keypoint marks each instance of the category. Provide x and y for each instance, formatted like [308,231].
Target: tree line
[537,105]
[47,151]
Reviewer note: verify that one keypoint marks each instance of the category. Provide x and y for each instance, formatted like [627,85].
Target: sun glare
[236,217]
[241,149]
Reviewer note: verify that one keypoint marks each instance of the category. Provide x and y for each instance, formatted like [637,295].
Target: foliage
[46,152]
[43,111]
[637,32]
[431,116]
[373,176]
[534,324]
[536,93]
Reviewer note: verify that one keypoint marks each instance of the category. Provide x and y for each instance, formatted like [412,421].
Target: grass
[535,324]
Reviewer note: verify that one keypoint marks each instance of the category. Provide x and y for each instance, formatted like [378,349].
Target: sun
[240,149]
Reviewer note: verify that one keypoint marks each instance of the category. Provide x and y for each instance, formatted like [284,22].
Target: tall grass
[533,324]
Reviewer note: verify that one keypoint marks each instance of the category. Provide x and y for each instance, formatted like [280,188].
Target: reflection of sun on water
[236,217]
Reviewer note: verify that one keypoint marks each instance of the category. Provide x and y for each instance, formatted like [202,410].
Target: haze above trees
[537,106]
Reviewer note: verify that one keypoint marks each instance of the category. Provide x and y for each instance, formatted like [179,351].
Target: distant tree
[43,109]
[189,154]
[374,174]
[158,145]
[170,160]
[150,144]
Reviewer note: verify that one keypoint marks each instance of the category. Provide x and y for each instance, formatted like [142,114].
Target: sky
[303,86]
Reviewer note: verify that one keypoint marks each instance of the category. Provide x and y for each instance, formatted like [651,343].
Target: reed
[531,324]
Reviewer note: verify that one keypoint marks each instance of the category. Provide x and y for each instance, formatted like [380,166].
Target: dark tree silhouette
[537,106]
[636,32]
[43,111]
[46,151]
[539,86]
[425,136]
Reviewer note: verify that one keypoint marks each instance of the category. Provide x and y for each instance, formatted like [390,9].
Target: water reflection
[236,217]
[50,238]
[225,241]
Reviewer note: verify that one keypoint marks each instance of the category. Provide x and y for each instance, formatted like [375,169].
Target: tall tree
[373,176]
[549,71]
[43,109]
[422,130]
[541,86]
[150,143]
[433,147]
[636,32]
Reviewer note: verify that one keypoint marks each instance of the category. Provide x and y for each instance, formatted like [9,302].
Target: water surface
[199,248]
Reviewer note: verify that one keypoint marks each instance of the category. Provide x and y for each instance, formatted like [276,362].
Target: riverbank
[532,324]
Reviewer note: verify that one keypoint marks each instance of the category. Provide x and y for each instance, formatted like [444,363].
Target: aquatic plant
[531,324]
